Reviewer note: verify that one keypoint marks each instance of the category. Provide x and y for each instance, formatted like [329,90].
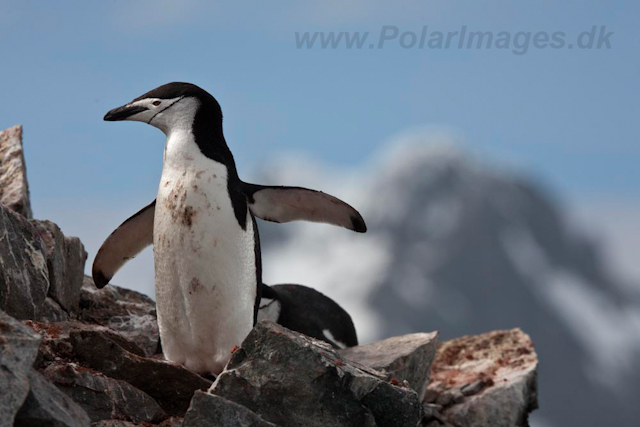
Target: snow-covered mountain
[456,246]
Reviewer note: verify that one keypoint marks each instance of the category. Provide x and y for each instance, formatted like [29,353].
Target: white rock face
[14,188]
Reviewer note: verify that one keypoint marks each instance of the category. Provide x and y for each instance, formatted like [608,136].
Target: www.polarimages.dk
[597,37]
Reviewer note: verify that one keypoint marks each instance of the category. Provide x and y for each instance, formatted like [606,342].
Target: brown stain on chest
[188,215]
[176,203]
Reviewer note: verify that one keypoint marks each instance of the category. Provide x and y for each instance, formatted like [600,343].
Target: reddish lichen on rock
[473,373]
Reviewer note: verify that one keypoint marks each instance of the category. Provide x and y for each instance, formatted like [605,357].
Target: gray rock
[141,329]
[14,188]
[209,409]
[290,379]
[487,379]
[45,405]
[131,314]
[103,397]
[18,351]
[472,388]
[50,311]
[56,342]
[65,261]
[24,277]
[172,386]
[402,358]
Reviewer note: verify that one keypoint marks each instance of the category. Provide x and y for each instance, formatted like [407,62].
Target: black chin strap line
[165,109]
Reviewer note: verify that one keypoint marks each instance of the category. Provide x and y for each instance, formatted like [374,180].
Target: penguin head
[168,107]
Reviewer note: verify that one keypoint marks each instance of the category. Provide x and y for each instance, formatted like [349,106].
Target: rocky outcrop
[403,359]
[99,361]
[24,277]
[103,397]
[290,379]
[485,380]
[27,398]
[65,263]
[103,368]
[41,270]
[172,386]
[277,377]
[127,312]
[18,351]
[73,355]
[209,409]
[14,188]
[46,405]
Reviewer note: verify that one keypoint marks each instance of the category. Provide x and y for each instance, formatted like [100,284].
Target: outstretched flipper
[284,204]
[126,241]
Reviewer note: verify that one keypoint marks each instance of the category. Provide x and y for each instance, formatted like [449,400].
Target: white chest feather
[204,261]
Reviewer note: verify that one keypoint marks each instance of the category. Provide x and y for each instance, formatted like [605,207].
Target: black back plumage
[310,312]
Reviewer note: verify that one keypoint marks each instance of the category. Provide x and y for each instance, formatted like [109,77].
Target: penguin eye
[156,103]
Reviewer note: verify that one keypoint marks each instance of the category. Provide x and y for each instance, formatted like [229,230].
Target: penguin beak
[123,113]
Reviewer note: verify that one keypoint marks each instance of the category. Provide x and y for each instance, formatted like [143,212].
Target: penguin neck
[203,137]
[207,131]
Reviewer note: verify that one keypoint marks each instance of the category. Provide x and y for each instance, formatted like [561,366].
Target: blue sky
[567,116]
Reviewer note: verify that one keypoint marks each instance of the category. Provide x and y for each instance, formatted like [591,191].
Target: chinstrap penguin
[308,311]
[202,225]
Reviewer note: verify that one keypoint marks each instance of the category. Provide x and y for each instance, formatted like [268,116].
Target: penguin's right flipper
[284,204]
[126,241]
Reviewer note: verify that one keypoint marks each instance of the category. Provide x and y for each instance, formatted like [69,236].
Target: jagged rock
[37,260]
[130,313]
[402,358]
[103,397]
[56,340]
[18,350]
[50,311]
[142,330]
[485,380]
[105,351]
[290,379]
[14,188]
[45,405]
[209,409]
[65,262]
[24,277]
[172,386]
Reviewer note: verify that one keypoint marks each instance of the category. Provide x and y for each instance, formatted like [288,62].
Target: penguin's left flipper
[126,241]
[284,204]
